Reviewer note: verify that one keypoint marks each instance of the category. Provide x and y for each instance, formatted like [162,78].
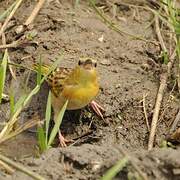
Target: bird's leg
[97,108]
[62,140]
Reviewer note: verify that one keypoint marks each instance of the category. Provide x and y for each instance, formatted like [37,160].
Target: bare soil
[128,69]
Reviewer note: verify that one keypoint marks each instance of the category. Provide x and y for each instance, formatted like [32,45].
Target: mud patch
[90,161]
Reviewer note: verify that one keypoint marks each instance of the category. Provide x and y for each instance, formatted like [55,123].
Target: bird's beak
[87,66]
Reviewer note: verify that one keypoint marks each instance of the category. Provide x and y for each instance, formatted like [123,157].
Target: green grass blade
[165,57]
[19,102]
[161,17]
[12,103]
[48,115]
[7,12]
[3,68]
[38,86]
[76,3]
[4,133]
[43,135]
[112,172]
[41,138]
[39,71]
[32,93]
[178,49]
[57,124]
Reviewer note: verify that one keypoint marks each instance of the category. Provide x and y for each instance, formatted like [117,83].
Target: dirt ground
[129,69]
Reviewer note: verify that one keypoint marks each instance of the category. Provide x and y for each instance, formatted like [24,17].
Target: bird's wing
[57,79]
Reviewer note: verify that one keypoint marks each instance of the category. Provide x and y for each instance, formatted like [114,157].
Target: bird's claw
[63,141]
[97,108]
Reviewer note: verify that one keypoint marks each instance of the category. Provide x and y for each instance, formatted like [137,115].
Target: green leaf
[57,124]
[48,115]
[3,68]
[7,12]
[41,138]
[31,35]
[39,71]
[32,93]
[5,133]
[19,102]
[165,57]
[43,135]
[112,172]
[12,103]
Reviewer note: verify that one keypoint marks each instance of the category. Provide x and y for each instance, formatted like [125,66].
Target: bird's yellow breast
[79,87]
[80,95]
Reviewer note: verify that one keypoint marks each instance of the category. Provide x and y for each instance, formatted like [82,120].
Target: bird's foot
[97,108]
[63,141]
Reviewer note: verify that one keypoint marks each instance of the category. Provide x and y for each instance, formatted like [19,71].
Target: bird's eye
[79,63]
[95,65]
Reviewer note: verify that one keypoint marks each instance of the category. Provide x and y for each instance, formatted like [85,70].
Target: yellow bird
[79,86]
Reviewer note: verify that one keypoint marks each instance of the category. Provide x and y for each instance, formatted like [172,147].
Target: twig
[178,78]
[132,5]
[21,66]
[163,81]
[10,67]
[3,28]
[12,45]
[162,87]
[158,32]
[13,72]
[156,110]
[21,168]
[145,113]
[167,105]
[34,12]
[20,129]
[22,28]
[177,119]
[3,39]
[7,168]
[18,43]
[178,57]
[79,138]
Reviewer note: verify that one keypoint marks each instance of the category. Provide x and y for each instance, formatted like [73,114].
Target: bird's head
[87,67]
[87,63]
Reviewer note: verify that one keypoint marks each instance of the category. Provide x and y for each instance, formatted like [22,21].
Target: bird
[78,85]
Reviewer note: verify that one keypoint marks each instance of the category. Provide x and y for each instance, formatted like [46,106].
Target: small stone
[96,165]
[19,29]
[101,39]
[118,86]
